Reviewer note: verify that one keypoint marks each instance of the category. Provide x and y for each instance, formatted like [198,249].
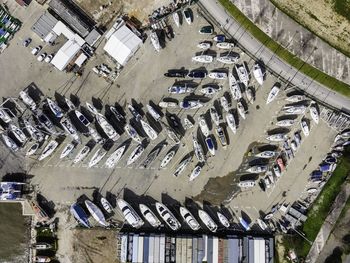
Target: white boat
[261,224]
[82,154]
[34,132]
[42,259]
[172,135]
[190,104]
[167,158]
[236,91]
[91,108]
[258,74]
[136,153]
[97,157]
[95,135]
[187,124]
[305,127]
[242,74]
[266,154]
[149,216]
[295,98]
[176,18]
[4,116]
[223,220]
[134,112]
[116,113]
[9,142]
[67,150]
[229,59]
[214,115]
[203,59]
[257,169]
[96,213]
[311,190]
[69,104]
[217,75]
[343,135]
[230,119]
[198,150]
[187,15]
[241,110]
[17,132]
[224,103]
[56,110]
[210,90]
[285,123]
[195,172]
[155,115]
[246,184]
[203,126]
[250,95]
[225,45]
[272,94]
[277,137]
[107,128]
[204,45]
[69,128]
[222,137]
[151,156]
[314,112]
[182,165]
[155,41]
[210,145]
[27,100]
[45,122]
[48,150]
[113,159]
[32,149]
[106,205]
[299,109]
[189,219]
[167,216]
[169,104]
[151,133]
[132,133]
[207,220]
[83,120]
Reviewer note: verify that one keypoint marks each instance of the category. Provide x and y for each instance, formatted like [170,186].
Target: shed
[65,54]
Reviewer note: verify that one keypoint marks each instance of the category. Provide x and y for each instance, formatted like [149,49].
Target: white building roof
[61,28]
[81,59]
[65,54]
[122,44]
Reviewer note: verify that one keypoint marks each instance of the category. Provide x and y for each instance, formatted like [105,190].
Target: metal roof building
[44,25]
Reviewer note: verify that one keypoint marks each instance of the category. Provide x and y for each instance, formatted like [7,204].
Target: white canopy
[65,54]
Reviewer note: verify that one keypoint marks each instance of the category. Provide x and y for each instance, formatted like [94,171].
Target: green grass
[342,7]
[312,72]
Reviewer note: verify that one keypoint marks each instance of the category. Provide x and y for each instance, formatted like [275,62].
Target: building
[44,25]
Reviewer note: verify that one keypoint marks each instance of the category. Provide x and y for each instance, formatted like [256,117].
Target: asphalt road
[273,62]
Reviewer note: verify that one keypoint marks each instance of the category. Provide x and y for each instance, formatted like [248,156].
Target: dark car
[27,42]
[206,30]
[197,74]
[175,74]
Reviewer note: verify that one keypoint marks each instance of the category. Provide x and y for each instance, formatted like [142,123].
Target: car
[41,57]
[48,58]
[27,42]
[36,50]
[206,30]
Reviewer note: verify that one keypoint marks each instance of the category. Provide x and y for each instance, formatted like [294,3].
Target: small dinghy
[176,19]
[136,153]
[257,169]
[229,59]
[182,165]
[198,150]
[203,59]
[107,128]
[82,154]
[207,220]
[132,133]
[172,135]
[97,157]
[224,103]
[150,217]
[210,90]
[91,108]
[189,219]
[296,98]
[17,132]
[241,110]
[223,220]
[27,100]
[56,110]
[258,74]
[67,150]
[305,127]
[204,45]
[48,150]
[266,154]
[272,94]
[167,158]
[155,115]
[195,172]
[79,214]
[106,205]
[214,116]
[190,104]
[9,142]
[32,149]
[155,41]
[314,112]
[168,104]
[203,126]
[188,124]
[236,91]
[168,216]
[151,133]
[217,75]
[113,159]
[230,119]
[225,45]
[285,123]
[210,145]
[69,128]
[96,213]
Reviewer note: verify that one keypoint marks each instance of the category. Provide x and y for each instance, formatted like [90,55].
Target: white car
[36,50]
[49,58]
[41,57]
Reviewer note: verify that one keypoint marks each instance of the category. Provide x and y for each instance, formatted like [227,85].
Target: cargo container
[251,258]
[156,248]
[183,249]
[146,249]
[123,248]
[189,250]
[151,249]
[140,249]
[135,243]
[205,248]
[210,249]
[221,251]
[167,249]
[215,250]
[178,250]
[173,250]
[162,249]
[233,250]
[194,250]
[130,245]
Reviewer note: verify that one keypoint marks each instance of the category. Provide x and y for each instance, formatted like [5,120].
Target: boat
[210,145]
[56,110]
[242,74]
[151,157]
[82,154]
[167,158]
[222,137]
[155,41]
[9,142]
[83,120]
[45,122]
[11,190]
[69,104]
[79,214]
[27,100]
[151,133]
[136,153]
[168,216]
[172,135]
[132,133]
[187,124]
[33,132]
[91,108]
[224,103]
[230,119]
[305,127]
[203,59]
[241,110]
[187,14]
[48,150]
[42,246]
[261,224]
[170,104]
[197,74]
[69,128]
[257,169]
[244,223]
[204,45]
[134,112]
[32,149]
[189,219]
[228,59]
[266,154]
[107,128]
[42,259]
[182,165]
[155,115]
[67,150]
[176,19]
[190,104]
[225,45]
[285,123]
[207,220]
[18,133]
[195,172]
[210,90]
[250,95]
[223,220]
[296,98]
[219,38]
[95,135]
[311,190]
[298,109]
[113,159]
[206,30]
[236,91]
[214,116]
[40,214]
[198,150]
[278,137]
[344,135]
[4,116]
[314,112]
[203,126]
[272,94]
[96,213]
[246,184]
[150,217]
[106,205]
[258,74]
[217,75]
[116,113]
[177,73]
[97,157]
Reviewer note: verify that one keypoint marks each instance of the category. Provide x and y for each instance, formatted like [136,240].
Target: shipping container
[251,251]
[221,251]
[135,243]
[200,247]
[183,249]
[140,249]
[162,249]
[146,249]
[123,248]
[178,250]
[233,250]
[194,249]
[205,248]
[130,247]
[210,249]
[189,250]
[151,249]
[167,249]
[215,250]
[156,248]
[173,250]
[225,252]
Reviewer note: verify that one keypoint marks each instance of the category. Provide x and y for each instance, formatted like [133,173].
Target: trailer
[140,249]
[162,249]
[145,249]
[215,258]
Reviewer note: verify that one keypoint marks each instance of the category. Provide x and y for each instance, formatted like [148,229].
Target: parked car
[48,58]
[36,50]
[206,30]
[41,57]
[27,42]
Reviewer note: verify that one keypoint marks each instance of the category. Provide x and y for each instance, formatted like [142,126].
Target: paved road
[282,68]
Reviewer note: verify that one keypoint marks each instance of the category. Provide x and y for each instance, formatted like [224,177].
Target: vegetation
[312,72]
[342,7]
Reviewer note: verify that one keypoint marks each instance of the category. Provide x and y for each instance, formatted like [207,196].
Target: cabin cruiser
[69,128]
[203,59]
[168,216]
[236,91]
[297,109]
[149,216]
[180,89]
[155,41]
[27,100]
[130,215]
[113,159]
[257,169]
[107,128]
[56,110]
[210,90]
[224,103]
[203,126]
[223,220]
[189,219]
[195,172]
[83,120]
[69,104]
[204,45]
[314,112]
[305,127]
[217,75]
[9,142]
[266,154]
[210,145]
[36,134]
[258,74]
[45,122]
[176,18]
[190,104]
[277,137]
[225,45]
[4,116]
[91,108]
[207,220]
[222,137]
[242,74]
[285,122]
[96,213]
[116,113]
[168,104]
[188,15]
[18,133]
[228,59]
[296,98]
